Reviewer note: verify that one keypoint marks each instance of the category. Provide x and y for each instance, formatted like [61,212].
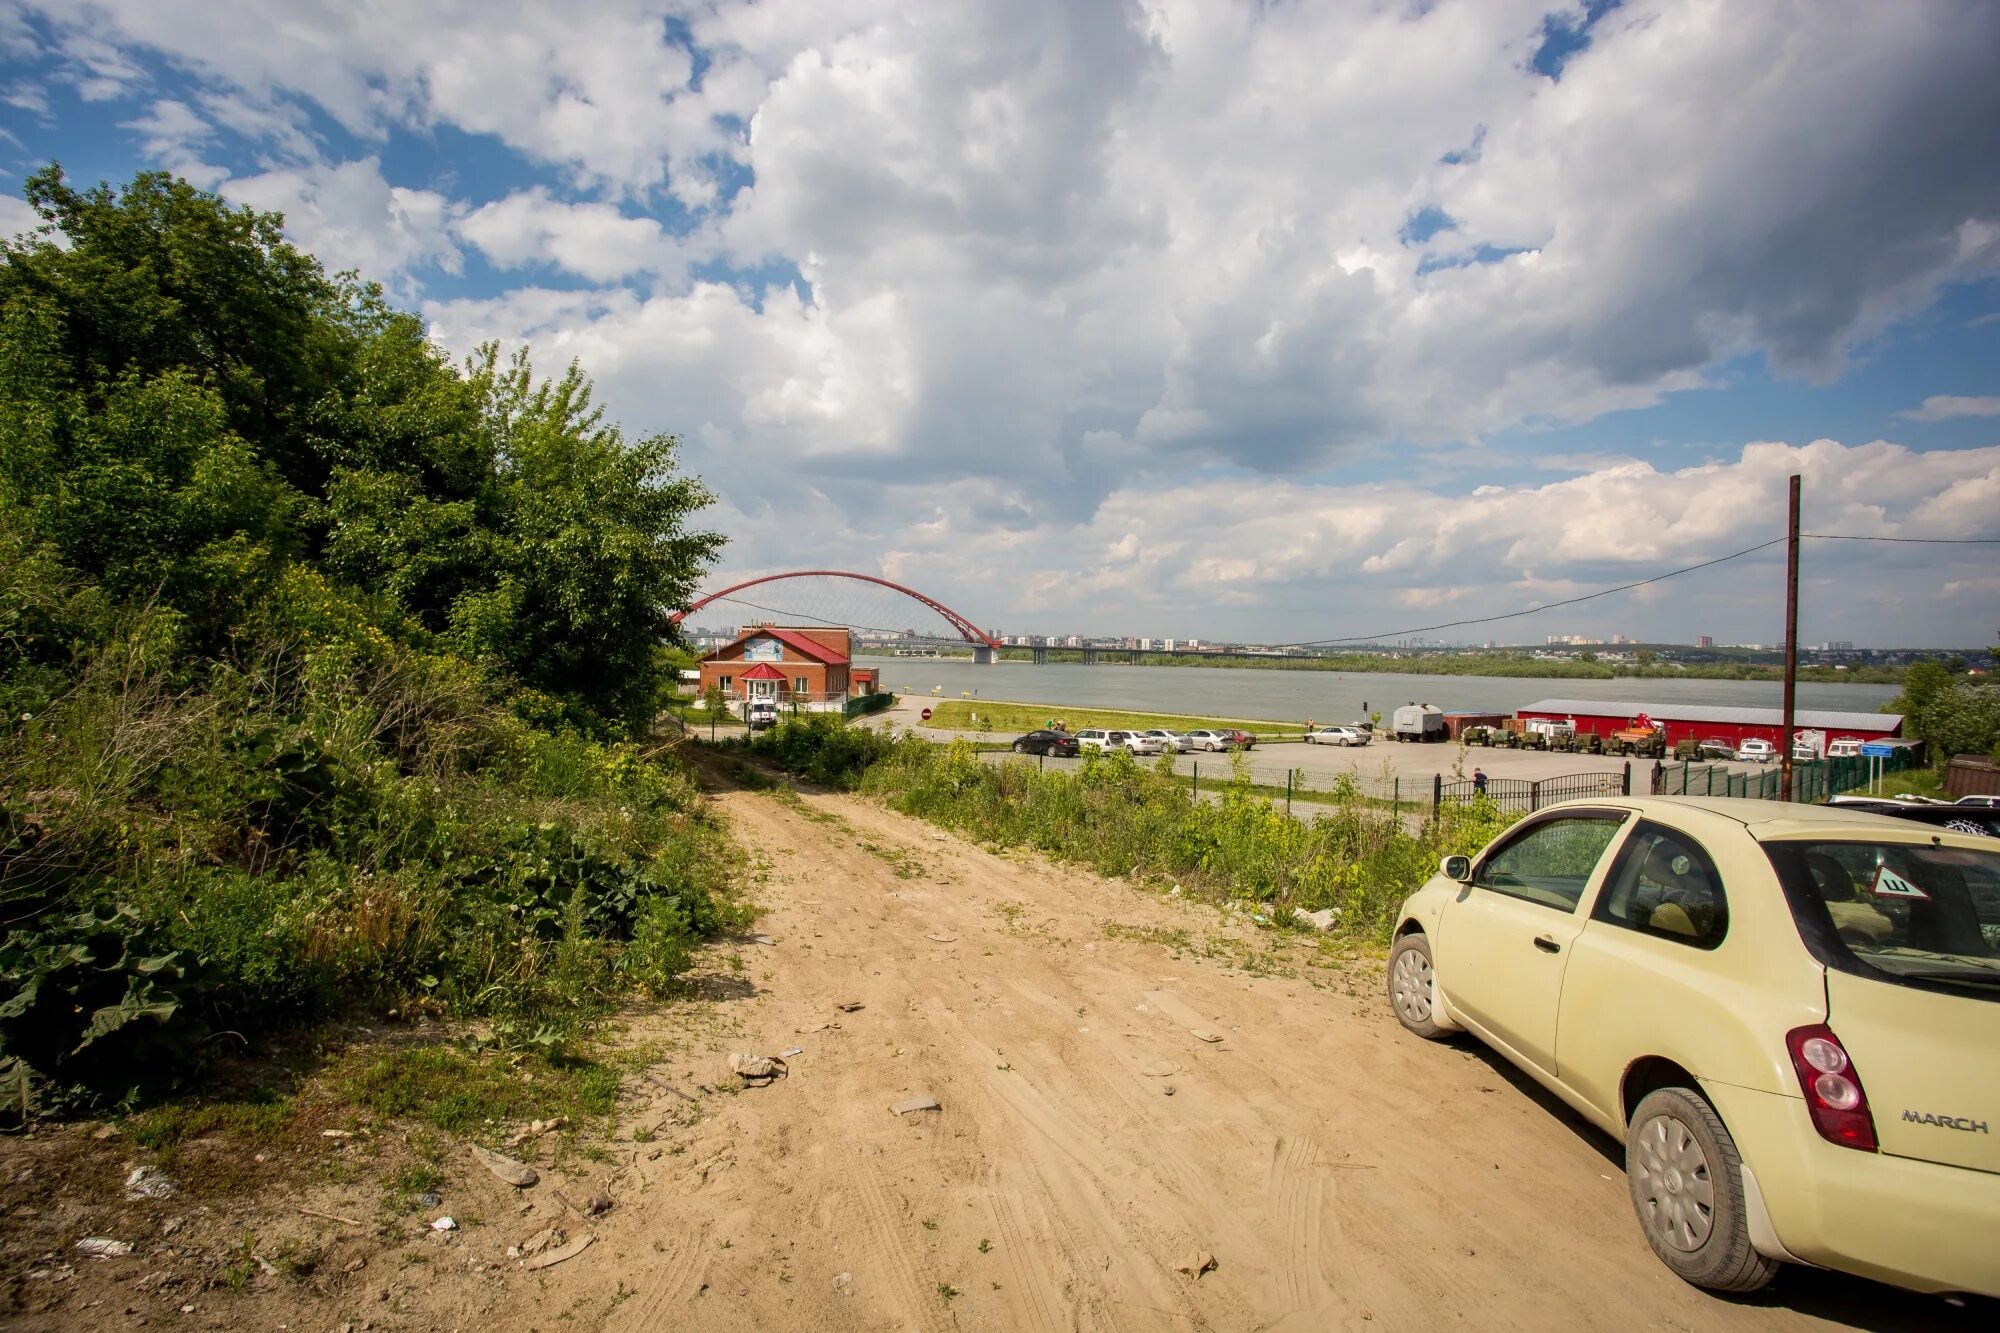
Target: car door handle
[1547,945]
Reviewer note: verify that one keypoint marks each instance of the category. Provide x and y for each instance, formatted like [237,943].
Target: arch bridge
[985,648]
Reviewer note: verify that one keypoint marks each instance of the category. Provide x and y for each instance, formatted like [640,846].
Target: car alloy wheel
[1672,1185]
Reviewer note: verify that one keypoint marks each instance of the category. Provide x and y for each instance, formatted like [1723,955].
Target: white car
[1337,736]
[1984,802]
[1171,742]
[1205,739]
[1138,742]
[1756,752]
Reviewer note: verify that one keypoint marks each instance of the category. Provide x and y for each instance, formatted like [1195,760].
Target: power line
[1537,610]
[1925,541]
[1483,620]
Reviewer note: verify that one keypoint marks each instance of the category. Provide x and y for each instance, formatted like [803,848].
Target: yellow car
[1790,1014]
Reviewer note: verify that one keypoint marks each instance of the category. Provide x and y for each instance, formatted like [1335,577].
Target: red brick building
[806,668]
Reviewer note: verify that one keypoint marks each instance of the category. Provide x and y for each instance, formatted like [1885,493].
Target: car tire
[1413,987]
[1676,1150]
[1020,747]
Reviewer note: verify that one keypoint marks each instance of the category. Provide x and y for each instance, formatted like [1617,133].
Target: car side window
[1550,862]
[1665,883]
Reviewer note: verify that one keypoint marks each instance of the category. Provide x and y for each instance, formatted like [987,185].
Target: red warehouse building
[1699,722]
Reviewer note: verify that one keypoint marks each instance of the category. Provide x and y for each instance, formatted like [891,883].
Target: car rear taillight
[1834,1099]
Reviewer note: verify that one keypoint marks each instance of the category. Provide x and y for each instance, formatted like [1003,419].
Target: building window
[725,684]
[798,684]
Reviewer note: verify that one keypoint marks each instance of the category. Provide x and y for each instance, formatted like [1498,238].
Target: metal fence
[1420,794]
[1525,795]
[1813,780]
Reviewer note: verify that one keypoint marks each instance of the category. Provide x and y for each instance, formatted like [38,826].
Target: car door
[1504,941]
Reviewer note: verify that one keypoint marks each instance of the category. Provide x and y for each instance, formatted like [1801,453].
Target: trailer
[1417,722]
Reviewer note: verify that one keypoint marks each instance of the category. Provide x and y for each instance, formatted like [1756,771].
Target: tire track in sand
[884,1260]
[673,1278]
[1297,1191]
[1036,1300]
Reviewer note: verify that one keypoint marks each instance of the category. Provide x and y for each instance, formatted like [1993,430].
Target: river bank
[1488,664]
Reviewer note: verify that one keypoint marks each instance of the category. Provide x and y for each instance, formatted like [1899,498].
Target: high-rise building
[1704,641]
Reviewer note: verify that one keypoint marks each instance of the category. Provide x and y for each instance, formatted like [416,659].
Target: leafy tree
[191,406]
[315,648]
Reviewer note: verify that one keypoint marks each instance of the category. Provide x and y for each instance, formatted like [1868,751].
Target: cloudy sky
[1279,320]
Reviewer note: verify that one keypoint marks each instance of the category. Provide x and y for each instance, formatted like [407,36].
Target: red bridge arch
[968,631]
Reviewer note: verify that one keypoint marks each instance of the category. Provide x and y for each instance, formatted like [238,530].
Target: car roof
[1774,821]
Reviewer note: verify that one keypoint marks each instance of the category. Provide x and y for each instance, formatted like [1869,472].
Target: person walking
[1479,781]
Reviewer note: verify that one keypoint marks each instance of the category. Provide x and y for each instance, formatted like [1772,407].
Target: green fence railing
[1813,780]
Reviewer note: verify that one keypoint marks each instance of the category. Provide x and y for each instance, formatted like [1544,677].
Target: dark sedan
[1059,743]
[1957,818]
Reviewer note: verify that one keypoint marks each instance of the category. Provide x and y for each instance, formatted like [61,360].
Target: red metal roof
[762,671]
[812,648]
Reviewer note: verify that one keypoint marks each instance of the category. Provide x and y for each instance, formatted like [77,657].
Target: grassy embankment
[959,714]
[327,672]
[1125,819]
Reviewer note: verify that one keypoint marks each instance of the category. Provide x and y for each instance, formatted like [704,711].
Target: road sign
[927,715]
[1876,750]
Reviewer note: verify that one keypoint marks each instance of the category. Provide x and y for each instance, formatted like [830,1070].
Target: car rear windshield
[1926,916]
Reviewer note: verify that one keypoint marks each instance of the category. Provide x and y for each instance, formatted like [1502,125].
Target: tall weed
[1120,818]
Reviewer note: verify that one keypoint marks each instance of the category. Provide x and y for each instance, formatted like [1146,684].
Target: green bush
[821,748]
[327,666]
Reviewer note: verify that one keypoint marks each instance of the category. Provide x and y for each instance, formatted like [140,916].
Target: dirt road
[1093,1138]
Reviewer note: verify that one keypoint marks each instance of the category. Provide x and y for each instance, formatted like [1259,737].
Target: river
[1326,696]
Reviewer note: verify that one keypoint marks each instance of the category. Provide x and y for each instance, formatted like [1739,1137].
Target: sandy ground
[1093,1141]
[1129,1084]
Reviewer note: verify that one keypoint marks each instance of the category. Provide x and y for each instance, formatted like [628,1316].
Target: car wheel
[1686,1179]
[1020,747]
[1413,987]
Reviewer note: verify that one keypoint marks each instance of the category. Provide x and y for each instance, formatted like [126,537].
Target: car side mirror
[1457,869]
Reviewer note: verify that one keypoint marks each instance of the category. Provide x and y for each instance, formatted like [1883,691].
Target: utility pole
[1791,646]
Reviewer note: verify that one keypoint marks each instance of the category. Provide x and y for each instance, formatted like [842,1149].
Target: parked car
[1337,736]
[1171,742]
[760,714]
[1786,1012]
[1718,748]
[1845,748]
[1980,822]
[1204,739]
[1984,802]
[1756,752]
[1138,742]
[1092,738]
[1059,743]
[1241,739]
